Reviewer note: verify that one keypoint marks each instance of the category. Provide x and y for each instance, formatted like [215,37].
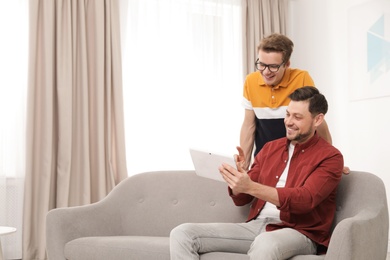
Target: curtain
[75,140]
[182,81]
[13,91]
[261,18]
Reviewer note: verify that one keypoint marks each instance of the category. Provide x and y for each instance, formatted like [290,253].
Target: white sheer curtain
[182,80]
[13,87]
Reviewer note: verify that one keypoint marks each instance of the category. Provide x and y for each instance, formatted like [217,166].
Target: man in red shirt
[291,187]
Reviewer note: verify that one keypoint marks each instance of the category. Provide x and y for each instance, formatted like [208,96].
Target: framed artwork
[369,50]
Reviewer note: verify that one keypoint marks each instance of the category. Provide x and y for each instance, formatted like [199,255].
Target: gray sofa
[135,219]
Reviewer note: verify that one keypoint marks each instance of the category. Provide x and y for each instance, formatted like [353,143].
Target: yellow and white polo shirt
[270,102]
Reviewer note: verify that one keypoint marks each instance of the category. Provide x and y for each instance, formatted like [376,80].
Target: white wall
[324,35]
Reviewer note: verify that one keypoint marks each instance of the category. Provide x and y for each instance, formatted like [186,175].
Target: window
[13,87]
[182,81]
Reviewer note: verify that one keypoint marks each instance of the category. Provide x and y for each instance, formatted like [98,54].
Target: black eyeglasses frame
[274,70]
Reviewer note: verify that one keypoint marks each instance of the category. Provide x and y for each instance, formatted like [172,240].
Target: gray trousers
[188,241]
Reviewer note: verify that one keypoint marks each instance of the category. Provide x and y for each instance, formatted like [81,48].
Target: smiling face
[272,58]
[300,123]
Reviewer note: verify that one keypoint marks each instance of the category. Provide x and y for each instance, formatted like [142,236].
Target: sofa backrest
[153,203]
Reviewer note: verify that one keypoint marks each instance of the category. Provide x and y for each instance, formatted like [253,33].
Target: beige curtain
[261,18]
[75,140]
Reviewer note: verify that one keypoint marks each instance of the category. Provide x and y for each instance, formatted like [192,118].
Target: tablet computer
[206,163]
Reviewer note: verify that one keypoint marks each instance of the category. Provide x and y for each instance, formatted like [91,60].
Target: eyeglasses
[271,67]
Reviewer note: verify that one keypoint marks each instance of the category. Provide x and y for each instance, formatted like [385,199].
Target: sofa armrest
[363,236]
[65,224]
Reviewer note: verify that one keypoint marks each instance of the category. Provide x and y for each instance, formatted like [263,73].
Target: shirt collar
[313,140]
[282,84]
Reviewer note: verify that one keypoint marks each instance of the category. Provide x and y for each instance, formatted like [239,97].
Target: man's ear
[287,64]
[319,119]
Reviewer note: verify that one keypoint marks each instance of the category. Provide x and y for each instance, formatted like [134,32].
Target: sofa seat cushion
[118,248]
[223,256]
[235,256]
[308,257]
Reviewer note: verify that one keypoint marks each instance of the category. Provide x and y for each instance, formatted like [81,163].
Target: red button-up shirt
[308,200]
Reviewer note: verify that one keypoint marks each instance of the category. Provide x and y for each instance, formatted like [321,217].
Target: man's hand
[240,159]
[238,180]
[346,170]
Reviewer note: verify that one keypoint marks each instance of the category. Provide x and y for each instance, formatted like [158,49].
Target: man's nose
[267,71]
[287,120]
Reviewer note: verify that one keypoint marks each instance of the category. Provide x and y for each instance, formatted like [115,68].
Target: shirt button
[277,177]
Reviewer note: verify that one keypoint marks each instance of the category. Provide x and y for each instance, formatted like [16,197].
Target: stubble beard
[302,137]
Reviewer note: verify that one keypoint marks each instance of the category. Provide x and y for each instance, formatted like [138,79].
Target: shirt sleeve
[307,80]
[246,102]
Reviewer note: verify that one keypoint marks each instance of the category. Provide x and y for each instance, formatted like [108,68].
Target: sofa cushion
[118,248]
[131,247]
[224,256]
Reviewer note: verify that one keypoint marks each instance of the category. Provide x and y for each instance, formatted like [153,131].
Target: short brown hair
[317,101]
[277,43]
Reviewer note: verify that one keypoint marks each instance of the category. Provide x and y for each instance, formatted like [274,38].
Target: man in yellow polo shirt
[266,94]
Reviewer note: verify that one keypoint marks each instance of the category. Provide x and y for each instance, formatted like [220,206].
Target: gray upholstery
[135,219]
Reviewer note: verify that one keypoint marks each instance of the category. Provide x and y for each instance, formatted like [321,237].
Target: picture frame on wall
[369,50]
